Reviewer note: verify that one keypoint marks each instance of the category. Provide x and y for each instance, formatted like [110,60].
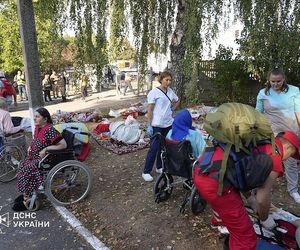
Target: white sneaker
[296,197]
[147,177]
[158,170]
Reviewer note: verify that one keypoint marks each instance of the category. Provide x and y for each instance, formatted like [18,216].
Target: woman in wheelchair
[182,129]
[46,137]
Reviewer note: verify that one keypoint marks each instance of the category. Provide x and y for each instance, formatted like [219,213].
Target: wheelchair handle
[83,133]
[76,128]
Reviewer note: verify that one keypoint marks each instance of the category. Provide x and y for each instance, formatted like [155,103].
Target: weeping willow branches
[271,35]
[181,27]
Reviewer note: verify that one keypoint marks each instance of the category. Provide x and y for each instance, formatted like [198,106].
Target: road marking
[84,232]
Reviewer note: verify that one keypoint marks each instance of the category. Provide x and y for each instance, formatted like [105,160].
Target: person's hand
[269,223]
[149,131]
[43,152]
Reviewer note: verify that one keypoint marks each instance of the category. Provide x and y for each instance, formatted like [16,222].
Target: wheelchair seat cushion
[179,158]
[69,138]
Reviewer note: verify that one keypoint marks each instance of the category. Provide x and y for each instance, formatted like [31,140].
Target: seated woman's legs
[29,180]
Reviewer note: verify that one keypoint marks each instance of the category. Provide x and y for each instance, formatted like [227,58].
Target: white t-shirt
[162,113]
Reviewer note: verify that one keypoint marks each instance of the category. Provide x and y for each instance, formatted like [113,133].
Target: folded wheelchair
[65,179]
[12,152]
[177,160]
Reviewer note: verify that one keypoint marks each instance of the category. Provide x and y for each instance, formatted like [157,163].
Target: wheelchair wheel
[36,205]
[197,203]
[68,182]
[10,157]
[163,188]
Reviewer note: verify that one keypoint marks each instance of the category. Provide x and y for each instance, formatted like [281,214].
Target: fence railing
[207,69]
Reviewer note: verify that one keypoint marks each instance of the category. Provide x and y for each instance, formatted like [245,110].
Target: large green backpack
[237,125]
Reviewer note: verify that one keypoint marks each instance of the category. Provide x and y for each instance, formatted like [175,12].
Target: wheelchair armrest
[60,152]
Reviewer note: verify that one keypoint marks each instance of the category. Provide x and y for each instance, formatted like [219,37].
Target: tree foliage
[231,79]
[270,36]
[50,40]
[10,46]
[124,51]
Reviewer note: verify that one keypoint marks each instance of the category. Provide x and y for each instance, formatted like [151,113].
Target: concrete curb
[84,232]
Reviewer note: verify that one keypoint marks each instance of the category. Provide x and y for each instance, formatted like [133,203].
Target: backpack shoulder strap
[223,167]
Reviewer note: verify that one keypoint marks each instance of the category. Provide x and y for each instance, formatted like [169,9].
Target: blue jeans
[155,150]
[22,92]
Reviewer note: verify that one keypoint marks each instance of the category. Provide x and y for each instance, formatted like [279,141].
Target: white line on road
[76,224]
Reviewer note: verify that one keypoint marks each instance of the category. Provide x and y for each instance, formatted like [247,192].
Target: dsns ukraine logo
[4,220]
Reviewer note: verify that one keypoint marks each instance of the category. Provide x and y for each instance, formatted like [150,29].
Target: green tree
[10,46]
[231,77]
[124,51]
[271,36]
[50,40]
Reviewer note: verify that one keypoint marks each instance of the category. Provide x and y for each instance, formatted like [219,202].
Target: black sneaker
[19,198]
[18,207]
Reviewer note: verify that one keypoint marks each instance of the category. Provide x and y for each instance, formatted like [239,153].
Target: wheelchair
[177,160]
[65,180]
[12,152]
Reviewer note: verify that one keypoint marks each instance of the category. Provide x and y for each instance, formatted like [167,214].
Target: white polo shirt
[162,113]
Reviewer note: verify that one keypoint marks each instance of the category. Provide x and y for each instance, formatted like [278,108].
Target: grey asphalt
[32,231]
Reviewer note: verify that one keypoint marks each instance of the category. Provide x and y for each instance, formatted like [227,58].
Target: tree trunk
[178,49]
[30,55]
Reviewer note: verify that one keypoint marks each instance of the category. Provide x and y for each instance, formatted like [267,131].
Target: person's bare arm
[150,109]
[176,105]
[62,144]
[263,196]
[8,126]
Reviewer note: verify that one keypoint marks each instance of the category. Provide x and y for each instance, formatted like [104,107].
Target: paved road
[96,100]
[58,235]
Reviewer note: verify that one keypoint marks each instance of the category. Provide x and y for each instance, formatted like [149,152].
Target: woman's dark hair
[163,75]
[45,113]
[276,72]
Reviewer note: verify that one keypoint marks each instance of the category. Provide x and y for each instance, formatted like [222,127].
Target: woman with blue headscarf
[182,129]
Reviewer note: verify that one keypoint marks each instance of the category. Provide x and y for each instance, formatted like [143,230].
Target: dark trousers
[84,91]
[47,96]
[22,92]
[155,150]
[63,93]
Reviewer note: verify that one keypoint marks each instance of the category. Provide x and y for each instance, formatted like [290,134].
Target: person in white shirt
[162,101]
[6,125]
[127,83]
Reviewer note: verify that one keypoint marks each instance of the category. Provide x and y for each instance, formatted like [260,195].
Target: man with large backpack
[242,159]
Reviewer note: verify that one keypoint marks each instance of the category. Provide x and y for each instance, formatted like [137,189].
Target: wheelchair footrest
[60,152]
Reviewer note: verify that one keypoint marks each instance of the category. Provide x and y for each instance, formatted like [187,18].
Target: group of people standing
[280,102]
[57,83]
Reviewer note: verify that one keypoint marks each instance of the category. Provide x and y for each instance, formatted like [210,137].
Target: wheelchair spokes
[197,203]
[10,157]
[163,187]
[68,183]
